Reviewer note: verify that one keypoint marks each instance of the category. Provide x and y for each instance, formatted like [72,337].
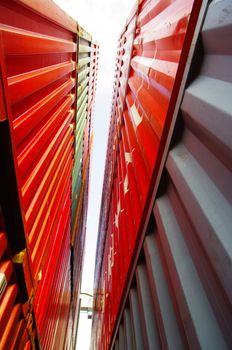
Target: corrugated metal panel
[126,38]
[87,70]
[41,109]
[151,59]
[56,15]
[50,292]
[87,75]
[83,76]
[13,328]
[38,65]
[48,79]
[186,255]
[92,90]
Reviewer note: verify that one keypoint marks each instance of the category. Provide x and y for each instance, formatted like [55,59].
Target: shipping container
[163,264]
[87,66]
[16,330]
[48,67]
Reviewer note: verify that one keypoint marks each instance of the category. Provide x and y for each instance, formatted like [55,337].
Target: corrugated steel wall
[123,60]
[153,49]
[81,117]
[86,75]
[40,73]
[45,115]
[16,332]
[179,296]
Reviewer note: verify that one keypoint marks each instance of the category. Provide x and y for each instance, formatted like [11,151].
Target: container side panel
[180,284]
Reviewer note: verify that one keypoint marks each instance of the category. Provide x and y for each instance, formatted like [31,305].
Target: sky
[104,19]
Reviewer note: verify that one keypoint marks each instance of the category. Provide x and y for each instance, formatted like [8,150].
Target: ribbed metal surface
[152,52]
[136,326]
[13,332]
[41,95]
[87,71]
[53,297]
[125,44]
[91,95]
[185,263]
[86,76]
[41,109]
[48,69]
[83,77]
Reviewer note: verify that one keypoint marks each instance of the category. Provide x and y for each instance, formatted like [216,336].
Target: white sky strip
[104,19]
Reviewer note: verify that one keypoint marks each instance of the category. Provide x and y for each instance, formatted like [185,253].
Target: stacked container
[86,78]
[164,247]
[16,324]
[42,144]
